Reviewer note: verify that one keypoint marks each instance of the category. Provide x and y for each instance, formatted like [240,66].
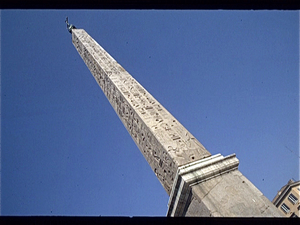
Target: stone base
[214,187]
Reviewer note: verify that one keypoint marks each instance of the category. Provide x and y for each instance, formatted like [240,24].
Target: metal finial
[69,26]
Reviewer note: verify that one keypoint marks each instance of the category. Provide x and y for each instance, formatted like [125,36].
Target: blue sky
[230,77]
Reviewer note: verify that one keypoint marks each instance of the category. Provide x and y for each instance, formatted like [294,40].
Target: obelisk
[198,183]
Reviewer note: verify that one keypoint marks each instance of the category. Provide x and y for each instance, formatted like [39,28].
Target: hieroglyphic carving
[163,141]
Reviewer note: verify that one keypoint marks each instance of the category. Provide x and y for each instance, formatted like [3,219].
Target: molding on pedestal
[195,173]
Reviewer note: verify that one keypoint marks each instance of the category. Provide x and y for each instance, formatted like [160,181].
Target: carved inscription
[163,141]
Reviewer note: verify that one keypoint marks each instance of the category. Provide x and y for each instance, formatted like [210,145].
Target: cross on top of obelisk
[69,26]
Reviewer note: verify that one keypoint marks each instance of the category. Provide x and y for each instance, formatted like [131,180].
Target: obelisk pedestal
[214,187]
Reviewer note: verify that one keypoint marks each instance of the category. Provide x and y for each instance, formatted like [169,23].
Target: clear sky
[230,77]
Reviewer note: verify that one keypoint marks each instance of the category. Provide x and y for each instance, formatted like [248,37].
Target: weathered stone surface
[163,141]
[234,195]
[196,208]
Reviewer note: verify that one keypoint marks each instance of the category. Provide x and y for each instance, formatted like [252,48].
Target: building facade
[287,199]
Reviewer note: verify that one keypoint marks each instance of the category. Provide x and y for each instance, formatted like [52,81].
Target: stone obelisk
[198,183]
